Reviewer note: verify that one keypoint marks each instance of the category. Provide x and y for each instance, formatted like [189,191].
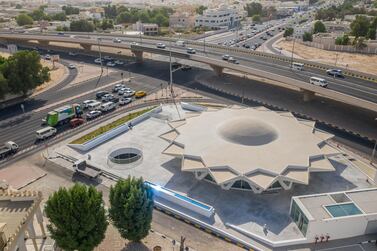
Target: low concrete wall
[113,132]
[192,107]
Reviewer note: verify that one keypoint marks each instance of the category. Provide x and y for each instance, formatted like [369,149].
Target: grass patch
[108,127]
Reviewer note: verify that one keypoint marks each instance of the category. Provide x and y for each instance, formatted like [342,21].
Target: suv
[226,57]
[100,94]
[335,73]
[106,97]
[93,114]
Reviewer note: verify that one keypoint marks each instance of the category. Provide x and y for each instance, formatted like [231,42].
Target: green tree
[77,218]
[24,19]
[288,32]
[24,72]
[359,43]
[161,20]
[131,206]
[38,14]
[3,86]
[110,11]
[253,8]
[18,6]
[319,27]
[69,10]
[200,9]
[343,40]
[107,24]
[308,36]
[359,27]
[59,16]
[256,19]
[371,34]
[82,25]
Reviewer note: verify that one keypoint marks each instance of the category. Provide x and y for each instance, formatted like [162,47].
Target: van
[297,66]
[107,106]
[318,81]
[46,132]
[94,106]
[181,43]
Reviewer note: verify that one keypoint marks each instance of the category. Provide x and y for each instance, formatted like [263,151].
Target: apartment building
[222,17]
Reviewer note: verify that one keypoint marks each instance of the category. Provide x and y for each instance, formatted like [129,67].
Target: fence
[340,48]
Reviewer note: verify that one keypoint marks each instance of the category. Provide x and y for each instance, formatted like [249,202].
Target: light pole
[293,49]
[374,149]
[204,44]
[100,58]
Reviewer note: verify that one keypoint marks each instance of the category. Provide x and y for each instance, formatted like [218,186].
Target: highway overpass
[211,57]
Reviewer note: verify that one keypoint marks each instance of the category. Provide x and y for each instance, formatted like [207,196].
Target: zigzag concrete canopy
[249,148]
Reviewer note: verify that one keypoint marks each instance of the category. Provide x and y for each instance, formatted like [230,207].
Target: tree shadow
[135,246]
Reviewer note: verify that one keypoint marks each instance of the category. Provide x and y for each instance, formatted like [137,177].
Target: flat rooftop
[339,204]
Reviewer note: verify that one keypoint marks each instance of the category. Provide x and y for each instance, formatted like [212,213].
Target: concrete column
[38,214]
[86,47]
[43,42]
[286,187]
[32,235]
[138,56]
[308,95]
[217,69]
[21,243]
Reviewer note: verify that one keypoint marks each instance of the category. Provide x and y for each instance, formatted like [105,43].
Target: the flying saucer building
[249,149]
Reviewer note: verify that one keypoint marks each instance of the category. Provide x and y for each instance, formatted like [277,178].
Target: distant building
[337,27]
[50,10]
[146,29]
[182,20]
[95,13]
[222,17]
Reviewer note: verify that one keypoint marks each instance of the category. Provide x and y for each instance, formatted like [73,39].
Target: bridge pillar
[43,42]
[217,69]
[86,47]
[138,56]
[308,95]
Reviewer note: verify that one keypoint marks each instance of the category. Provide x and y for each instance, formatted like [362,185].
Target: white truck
[181,43]
[7,149]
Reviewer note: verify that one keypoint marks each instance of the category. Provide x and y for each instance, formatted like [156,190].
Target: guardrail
[347,72]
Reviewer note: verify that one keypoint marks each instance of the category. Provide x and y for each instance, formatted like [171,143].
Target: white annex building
[222,17]
[249,149]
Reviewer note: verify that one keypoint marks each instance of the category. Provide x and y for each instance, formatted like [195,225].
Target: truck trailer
[7,149]
[63,114]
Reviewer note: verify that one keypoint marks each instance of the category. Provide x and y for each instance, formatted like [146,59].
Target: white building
[146,29]
[339,215]
[222,17]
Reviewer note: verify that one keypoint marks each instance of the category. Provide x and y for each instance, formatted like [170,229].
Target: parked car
[108,106]
[100,94]
[117,87]
[335,73]
[191,51]
[47,57]
[140,94]
[76,122]
[98,60]
[119,62]
[160,45]
[111,64]
[114,99]
[106,97]
[86,103]
[93,114]
[175,65]
[107,58]
[125,101]
[121,91]
[129,93]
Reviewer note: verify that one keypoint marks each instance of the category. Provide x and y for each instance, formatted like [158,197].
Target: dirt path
[354,61]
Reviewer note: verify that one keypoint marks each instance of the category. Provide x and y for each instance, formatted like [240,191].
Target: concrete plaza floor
[244,209]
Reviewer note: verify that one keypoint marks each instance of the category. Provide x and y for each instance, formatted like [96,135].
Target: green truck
[63,115]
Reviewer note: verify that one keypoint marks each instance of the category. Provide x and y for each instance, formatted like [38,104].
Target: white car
[225,57]
[117,87]
[72,66]
[134,43]
[111,64]
[93,114]
[98,61]
[191,51]
[86,103]
[117,40]
[129,93]
[107,97]
[160,46]
[72,53]
[125,101]
[108,58]
[119,62]
[121,91]
[47,57]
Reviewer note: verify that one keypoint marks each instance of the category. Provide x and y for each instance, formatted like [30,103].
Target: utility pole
[100,58]
[204,44]
[293,49]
